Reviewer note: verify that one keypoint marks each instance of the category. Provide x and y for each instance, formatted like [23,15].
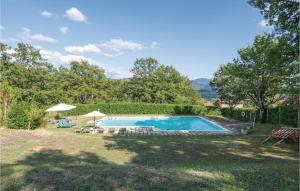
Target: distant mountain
[203,87]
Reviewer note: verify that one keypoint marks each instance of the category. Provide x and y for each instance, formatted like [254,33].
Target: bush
[276,115]
[142,108]
[24,116]
[237,114]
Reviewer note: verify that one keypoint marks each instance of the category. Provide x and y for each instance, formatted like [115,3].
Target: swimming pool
[175,123]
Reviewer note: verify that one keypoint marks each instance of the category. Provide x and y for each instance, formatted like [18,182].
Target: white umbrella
[60,107]
[94,114]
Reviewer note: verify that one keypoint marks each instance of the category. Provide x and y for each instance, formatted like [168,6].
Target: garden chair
[282,134]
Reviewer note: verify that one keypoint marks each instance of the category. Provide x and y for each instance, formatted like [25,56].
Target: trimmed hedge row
[276,115]
[143,108]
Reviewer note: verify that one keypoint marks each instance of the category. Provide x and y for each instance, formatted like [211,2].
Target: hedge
[276,115]
[143,108]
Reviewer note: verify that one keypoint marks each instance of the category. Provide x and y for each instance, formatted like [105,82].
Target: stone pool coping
[225,123]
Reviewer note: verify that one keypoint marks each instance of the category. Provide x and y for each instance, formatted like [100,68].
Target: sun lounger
[78,130]
[100,130]
[64,124]
[283,134]
[110,130]
[121,131]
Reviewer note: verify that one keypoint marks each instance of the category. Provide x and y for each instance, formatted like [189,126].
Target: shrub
[17,118]
[142,108]
[24,116]
[276,115]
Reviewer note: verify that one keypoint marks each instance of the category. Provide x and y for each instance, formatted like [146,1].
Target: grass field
[58,159]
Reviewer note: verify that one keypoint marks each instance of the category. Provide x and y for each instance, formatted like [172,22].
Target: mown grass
[58,159]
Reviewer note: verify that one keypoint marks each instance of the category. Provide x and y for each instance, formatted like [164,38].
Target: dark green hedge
[143,108]
[276,115]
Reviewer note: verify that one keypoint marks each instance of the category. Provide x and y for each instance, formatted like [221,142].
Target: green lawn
[58,159]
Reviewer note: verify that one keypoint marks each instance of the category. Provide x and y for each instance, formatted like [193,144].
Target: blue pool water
[164,123]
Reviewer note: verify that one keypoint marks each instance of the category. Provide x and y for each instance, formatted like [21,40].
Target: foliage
[275,115]
[24,116]
[284,15]
[156,83]
[142,108]
[36,80]
[262,74]
[6,97]
[227,85]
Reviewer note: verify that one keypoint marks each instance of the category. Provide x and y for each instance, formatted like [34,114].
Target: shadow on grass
[168,163]
[243,163]
[54,170]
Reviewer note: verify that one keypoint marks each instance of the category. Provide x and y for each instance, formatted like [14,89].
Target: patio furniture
[65,124]
[78,130]
[110,130]
[282,134]
[100,130]
[122,130]
[94,114]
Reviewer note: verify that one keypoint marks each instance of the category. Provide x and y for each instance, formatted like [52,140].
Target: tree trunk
[262,109]
[5,109]
[263,115]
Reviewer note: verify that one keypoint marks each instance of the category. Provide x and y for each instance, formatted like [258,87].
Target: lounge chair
[121,130]
[283,134]
[78,130]
[109,130]
[100,130]
[64,124]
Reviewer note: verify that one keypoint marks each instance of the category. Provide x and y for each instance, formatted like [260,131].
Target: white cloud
[118,44]
[41,37]
[117,73]
[58,58]
[27,36]
[115,47]
[64,29]
[264,23]
[2,28]
[90,48]
[74,14]
[46,14]
[10,51]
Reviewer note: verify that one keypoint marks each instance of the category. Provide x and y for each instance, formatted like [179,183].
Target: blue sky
[193,36]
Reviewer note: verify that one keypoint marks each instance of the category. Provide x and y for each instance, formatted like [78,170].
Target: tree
[83,82]
[28,73]
[227,85]
[6,97]
[154,82]
[283,14]
[261,73]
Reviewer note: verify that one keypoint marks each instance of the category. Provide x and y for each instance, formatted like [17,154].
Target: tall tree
[283,14]
[261,73]
[227,85]
[154,82]
[82,81]
[6,97]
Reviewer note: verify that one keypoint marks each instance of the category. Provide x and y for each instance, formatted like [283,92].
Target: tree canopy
[34,79]
[262,74]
